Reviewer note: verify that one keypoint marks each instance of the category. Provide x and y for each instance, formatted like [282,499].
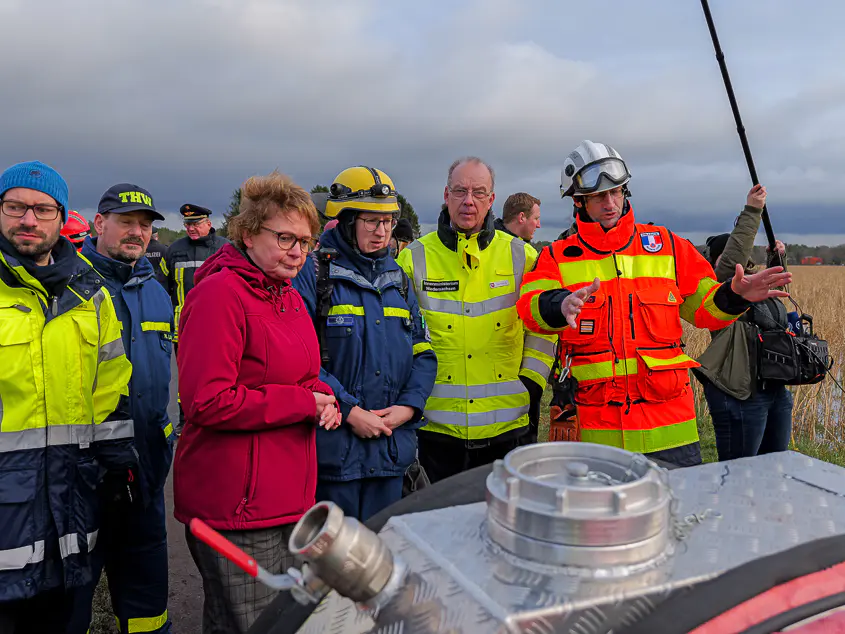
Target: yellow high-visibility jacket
[467,289]
[63,421]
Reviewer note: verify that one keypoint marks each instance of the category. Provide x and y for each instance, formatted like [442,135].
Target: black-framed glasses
[460,193]
[17,209]
[287,240]
[371,224]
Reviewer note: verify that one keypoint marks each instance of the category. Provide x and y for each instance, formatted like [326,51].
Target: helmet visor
[589,179]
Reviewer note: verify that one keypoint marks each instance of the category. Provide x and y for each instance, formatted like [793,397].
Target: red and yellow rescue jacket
[626,354]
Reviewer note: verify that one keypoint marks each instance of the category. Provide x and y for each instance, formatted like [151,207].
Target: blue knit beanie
[38,176]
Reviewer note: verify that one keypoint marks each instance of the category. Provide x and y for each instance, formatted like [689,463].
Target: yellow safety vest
[64,371]
[467,294]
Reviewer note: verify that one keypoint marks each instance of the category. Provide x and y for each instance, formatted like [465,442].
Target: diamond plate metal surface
[462,583]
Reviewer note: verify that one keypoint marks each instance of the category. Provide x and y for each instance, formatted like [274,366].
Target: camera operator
[750,416]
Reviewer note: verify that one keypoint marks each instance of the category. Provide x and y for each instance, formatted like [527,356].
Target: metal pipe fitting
[343,553]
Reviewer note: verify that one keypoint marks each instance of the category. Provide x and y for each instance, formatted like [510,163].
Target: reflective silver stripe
[111,350]
[418,258]
[1,409]
[114,430]
[471,309]
[92,540]
[61,435]
[480,419]
[17,558]
[533,342]
[530,363]
[485,390]
[188,265]
[69,545]
[518,258]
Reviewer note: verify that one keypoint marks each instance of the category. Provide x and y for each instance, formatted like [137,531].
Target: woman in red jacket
[248,366]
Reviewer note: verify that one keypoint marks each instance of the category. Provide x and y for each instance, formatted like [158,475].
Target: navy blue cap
[194,213]
[125,197]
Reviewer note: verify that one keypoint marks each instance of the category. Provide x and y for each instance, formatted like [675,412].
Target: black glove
[120,486]
[535,394]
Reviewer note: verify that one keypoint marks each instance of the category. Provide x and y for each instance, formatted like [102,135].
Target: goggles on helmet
[589,178]
[339,191]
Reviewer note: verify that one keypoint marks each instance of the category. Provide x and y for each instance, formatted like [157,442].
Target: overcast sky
[187,98]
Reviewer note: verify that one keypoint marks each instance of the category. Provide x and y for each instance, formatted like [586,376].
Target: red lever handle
[205,533]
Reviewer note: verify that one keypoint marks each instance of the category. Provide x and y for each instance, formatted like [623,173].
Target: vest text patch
[438,286]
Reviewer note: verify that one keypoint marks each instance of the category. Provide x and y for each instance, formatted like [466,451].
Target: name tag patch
[340,320]
[439,286]
[587,326]
[500,283]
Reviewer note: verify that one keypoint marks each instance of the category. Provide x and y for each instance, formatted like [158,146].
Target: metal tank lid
[579,504]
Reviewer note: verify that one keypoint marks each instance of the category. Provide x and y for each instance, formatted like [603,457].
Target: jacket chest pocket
[591,322]
[660,311]
[663,373]
[88,341]
[17,387]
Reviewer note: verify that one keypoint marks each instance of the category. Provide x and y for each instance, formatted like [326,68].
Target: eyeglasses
[287,240]
[371,224]
[16,209]
[459,193]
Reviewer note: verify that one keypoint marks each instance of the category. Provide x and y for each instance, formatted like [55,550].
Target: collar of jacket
[50,280]
[449,237]
[239,263]
[354,260]
[206,240]
[596,238]
[115,270]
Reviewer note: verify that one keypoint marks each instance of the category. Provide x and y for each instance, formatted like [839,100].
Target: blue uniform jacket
[146,316]
[380,356]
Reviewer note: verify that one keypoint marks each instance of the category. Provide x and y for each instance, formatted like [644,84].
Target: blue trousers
[361,499]
[762,424]
[132,547]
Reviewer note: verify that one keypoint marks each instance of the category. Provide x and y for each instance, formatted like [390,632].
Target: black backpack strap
[324,257]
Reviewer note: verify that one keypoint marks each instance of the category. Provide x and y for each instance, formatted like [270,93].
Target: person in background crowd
[76,229]
[246,462]
[490,372]
[616,293]
[180,263]
[331,224]
[376,356]
[64,417]
[520,216]
[133,539]
[155,254]
[402,236]
[750,416]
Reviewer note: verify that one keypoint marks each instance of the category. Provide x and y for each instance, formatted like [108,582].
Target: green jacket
[726,362]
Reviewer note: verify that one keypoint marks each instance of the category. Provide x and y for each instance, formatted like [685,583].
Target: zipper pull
[22,308]
[628,403]
[55,306]
[241,506]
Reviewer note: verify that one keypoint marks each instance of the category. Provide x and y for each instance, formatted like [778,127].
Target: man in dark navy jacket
[133,539]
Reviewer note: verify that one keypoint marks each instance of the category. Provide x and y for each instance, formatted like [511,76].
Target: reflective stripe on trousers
[17,558]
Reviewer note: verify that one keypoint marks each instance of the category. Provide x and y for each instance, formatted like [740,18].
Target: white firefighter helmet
[592,168]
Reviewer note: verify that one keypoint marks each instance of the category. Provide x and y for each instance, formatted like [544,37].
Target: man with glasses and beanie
[183,258]
[133,538]
[615,293]
[375,353]
[490,371]
[66,437]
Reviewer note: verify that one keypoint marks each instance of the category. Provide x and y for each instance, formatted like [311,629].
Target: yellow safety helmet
[362,189]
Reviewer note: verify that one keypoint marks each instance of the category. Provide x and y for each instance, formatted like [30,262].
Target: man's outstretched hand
[762,285]
[571,306]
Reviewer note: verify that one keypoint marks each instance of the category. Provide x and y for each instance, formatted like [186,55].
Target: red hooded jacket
[248,364]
